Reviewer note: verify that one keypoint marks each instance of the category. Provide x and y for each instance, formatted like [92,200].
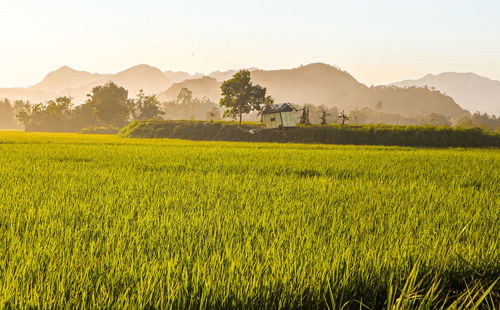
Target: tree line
[240,96]
[108,106]
[188,107]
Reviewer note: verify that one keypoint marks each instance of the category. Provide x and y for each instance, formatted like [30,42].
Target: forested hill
[321,84]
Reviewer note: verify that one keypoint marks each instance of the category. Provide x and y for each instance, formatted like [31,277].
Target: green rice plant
[99,221]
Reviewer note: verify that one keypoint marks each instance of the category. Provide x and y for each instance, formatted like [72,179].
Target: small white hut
[279,115]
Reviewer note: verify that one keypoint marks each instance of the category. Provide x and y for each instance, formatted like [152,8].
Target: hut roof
[280,107]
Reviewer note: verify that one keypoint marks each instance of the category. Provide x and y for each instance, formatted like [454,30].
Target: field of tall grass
[103,221]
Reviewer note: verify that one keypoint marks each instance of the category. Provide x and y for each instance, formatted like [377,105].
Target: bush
[428,136]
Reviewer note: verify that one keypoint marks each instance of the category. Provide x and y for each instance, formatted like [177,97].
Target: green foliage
[55,112]
[107,106]
[83,116]
[145,107]
[110,104]
[331,134]
[240,96]
[56,115]
[106,222]
[30,115]
[485,121]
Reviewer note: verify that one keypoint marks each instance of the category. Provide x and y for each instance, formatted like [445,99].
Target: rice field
[95,221]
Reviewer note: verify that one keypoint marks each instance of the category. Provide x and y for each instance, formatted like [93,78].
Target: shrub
[427,136]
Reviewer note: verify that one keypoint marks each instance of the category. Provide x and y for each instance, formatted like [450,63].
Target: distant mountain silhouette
[225,75]
[317,84]
[29,93]
[151,79]
[203,87]
[469,90]
[145,77]
[179,76]
[63,81]
[66,78]
[77,84]
[322,84]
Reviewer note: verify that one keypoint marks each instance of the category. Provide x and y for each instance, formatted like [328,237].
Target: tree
[56,115]
[84,116]
[240,96]
[59,108]
[185,96]
[29,115]
[186,106]
[323,116]
[18,106]
[267,103]
[343,117]
[304,117]
[145,107]
[213,114]
[110,104]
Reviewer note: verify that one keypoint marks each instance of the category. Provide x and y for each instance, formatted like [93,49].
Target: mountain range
[77,84]
[318,84]
[322,84]
[469,90]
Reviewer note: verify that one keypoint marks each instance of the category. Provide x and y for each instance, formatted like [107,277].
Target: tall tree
[110,104]
[240,96]
[84,116]
[59,108]
[146,107]
[56,115]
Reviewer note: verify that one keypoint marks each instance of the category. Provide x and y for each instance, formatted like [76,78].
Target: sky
[378,42]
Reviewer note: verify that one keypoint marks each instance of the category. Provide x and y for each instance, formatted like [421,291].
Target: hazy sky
[376,41]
